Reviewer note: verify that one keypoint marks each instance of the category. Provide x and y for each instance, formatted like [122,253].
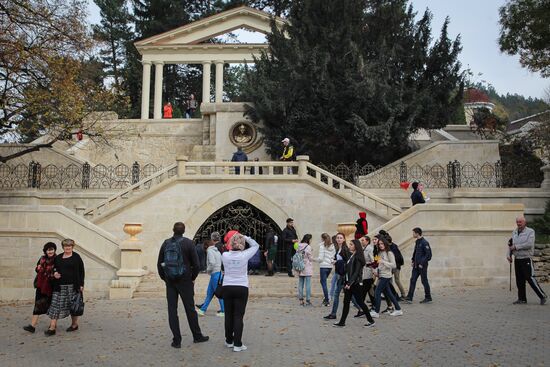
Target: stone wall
[541,261]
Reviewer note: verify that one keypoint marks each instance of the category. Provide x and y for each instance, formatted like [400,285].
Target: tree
[46,83]
[353,86]
[524,31]
[114,33]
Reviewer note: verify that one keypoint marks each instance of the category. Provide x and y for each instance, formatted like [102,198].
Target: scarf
[45,275]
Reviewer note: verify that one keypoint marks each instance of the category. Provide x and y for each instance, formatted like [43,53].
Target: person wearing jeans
[422,254]
[325,259]
[235,288]
[214,268]
[304,276]
[384,271]
[342,255]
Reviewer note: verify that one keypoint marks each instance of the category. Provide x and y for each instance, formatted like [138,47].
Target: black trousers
[525,272]
[185,290]
[289,253]
[367,286]
[235,298]
[357,291]
[423,274]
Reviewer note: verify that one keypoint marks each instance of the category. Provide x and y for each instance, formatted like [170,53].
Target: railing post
[450,175]
[182,162]
[35,170]
[546,182]
[302,165]
[135,173]
[402,172]
[498,174]
[456,174]
[86,175]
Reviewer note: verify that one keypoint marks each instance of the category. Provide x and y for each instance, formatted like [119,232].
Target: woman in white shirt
[325,260]
[235,288]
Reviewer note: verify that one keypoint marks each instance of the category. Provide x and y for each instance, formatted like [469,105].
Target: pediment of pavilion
[204,29]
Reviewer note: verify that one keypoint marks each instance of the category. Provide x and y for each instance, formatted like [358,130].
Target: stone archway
[247,219]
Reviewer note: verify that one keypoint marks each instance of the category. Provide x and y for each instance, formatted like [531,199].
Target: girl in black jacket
[352,287]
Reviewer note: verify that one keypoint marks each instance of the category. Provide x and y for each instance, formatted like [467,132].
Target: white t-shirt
[235,264]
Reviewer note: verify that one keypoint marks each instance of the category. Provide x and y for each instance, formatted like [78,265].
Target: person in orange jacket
[168,110]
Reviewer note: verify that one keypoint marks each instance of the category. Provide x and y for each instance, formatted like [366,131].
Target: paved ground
[463,327]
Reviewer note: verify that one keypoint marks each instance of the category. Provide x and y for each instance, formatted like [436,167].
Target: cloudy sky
[477,23]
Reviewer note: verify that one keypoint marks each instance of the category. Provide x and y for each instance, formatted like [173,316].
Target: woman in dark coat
[69,278]
[43,284]
[352,280]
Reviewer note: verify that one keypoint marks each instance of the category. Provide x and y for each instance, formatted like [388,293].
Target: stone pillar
[181,160]
[131,271]
[302,164]
[145,90]
[219,81]
[545,185]
[157,103]
[206,81]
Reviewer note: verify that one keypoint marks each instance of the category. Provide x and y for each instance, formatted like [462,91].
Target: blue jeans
[307,281]
[325,272]
[384,285]
[336,295]
[214,278]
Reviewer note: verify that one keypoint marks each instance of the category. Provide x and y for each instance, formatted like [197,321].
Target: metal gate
[248,220]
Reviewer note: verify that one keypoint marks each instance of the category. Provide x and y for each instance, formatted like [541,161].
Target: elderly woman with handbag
[235,288]
[67,289]
[43,284]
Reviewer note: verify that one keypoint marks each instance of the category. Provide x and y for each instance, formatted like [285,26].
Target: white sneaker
[397,313]
[220,314]
[239,349]
[200,312]
[229,345]
[374,314]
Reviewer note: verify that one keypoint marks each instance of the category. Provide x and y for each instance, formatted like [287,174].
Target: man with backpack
[422,254]
[289,238]
[178,266]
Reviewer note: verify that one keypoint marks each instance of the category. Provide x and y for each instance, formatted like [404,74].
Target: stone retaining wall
[541,261]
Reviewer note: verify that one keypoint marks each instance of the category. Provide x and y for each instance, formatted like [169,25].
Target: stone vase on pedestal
[131,271]
[348,229]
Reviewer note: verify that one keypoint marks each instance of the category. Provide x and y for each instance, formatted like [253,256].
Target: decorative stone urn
[133,229]
[348,229]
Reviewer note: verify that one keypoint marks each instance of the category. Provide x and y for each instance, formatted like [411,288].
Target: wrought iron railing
[454,174]
[73,176]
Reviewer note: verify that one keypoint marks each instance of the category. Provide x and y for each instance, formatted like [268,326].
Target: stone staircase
[279,285]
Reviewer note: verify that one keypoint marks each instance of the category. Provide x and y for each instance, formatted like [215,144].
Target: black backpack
[173,265]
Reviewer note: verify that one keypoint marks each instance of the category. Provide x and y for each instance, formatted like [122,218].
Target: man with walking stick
[521,247]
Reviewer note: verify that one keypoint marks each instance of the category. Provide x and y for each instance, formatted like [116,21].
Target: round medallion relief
[243,134]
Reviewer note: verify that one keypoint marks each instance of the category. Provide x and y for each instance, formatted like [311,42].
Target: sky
[477,23]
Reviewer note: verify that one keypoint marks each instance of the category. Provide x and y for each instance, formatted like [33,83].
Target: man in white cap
[288,152]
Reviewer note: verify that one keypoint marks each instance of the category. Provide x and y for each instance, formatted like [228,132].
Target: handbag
[219,288]
[77,304]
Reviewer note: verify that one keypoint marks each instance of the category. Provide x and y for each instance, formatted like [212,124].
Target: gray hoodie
[213,260]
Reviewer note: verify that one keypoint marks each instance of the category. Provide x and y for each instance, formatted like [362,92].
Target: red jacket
[167,111]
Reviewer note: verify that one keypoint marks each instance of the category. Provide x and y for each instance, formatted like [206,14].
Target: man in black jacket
[289,237]
[422,254]
[183,287]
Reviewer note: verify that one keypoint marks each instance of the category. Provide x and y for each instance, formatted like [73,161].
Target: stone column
[157,104]
[302,164]
[145,90]
[545,185]
[219,81]
[206,81]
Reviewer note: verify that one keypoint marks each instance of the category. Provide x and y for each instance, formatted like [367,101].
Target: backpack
[174,267]
[298,263]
